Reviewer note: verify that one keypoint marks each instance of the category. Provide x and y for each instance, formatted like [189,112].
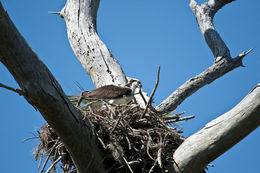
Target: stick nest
[130,141]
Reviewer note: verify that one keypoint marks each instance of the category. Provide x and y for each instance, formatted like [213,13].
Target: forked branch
[205,14]
[223,62]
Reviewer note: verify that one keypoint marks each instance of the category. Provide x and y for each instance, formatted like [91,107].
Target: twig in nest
[164,139]
[178,114]
[162,122]
[141,94]
[151,170]
[102,143]
[135,162]
[148,146]
[40,163]
[117,122]
[159,153]
[129,144]
[34,137]
[129,167]
[104,118]
[80,99]
[18,91]
[175,116]
[174,119]
[154,89]
[49,155]
[187,118]
[53,164]
[45,162]
[126,162]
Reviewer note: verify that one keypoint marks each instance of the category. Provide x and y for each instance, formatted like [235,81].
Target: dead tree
[42,91]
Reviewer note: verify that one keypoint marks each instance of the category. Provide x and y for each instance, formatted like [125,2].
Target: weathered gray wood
[194,84]
[44,93]
[218,135]
[204,15]
[223,61]
[80,17]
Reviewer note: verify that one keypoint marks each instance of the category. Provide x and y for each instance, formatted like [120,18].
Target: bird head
[133,84]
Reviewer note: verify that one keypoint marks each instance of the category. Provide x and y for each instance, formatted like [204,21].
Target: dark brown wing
[109,92]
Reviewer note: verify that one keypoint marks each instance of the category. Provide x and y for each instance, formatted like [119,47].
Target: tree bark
[218,135]
[44,93]
[205,15]
[100,64]
[194,84]
[224,63]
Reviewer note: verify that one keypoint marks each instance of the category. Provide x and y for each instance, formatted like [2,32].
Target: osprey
[110,93]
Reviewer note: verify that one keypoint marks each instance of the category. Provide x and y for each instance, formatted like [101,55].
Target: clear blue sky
[142,35]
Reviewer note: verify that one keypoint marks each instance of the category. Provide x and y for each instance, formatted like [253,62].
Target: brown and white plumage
[111,93]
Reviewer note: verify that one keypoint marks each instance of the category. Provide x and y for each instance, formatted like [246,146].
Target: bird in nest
[111,94]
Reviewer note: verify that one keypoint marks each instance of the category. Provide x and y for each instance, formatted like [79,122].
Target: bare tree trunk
[44,93]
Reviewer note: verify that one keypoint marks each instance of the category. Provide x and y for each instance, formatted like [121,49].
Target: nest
[52,149]
[131,141]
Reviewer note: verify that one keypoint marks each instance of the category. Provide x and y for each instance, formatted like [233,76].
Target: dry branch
[224,63]
[153,92]
[76,132]
[205,14]
[194,84]
[218,135]
[16,90]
